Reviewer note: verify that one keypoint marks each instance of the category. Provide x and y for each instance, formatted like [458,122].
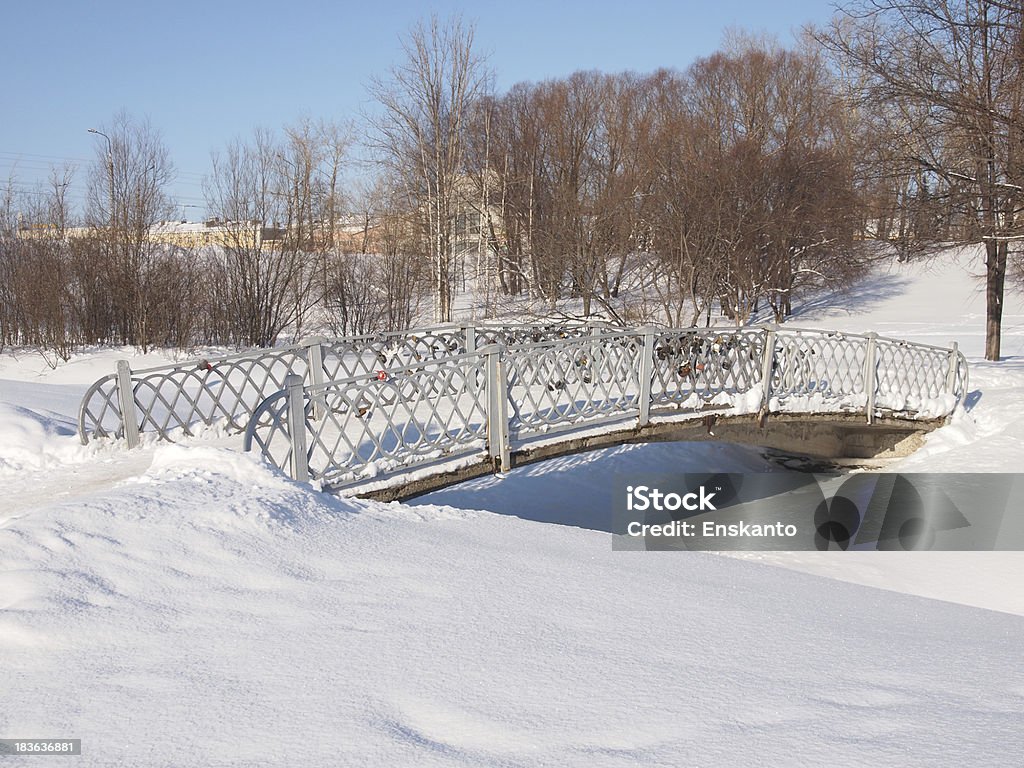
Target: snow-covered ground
[186,606]
[939,301]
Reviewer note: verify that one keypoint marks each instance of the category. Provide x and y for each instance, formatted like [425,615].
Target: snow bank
[248,621]
[203,463]
[29,440]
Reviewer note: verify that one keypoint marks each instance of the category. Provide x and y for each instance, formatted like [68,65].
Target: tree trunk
[995,273]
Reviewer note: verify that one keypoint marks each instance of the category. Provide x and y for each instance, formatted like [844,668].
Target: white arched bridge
[395,414]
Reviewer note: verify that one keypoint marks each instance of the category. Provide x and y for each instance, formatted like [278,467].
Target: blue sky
[207,72]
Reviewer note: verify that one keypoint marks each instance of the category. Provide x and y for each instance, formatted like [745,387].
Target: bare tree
[127,197]
[420,137]
[36,284]
[565,159]
[249,195]
[277,200]
[374,278]
[752,194]
[515,152]
[955,67]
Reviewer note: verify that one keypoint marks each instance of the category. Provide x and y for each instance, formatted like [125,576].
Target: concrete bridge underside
[829,437]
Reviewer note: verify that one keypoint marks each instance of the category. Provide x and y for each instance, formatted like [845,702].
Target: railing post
[497,409]
[646,376]
[767,366]
[315,371]
[297,427]
[126,399]
[871,375]
[954,362]
[469,334]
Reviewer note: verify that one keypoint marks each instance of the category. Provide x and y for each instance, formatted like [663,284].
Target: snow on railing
[223,392]
[487,400]
[379,403]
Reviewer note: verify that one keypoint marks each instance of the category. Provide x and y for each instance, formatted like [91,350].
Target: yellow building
[179,233]
[213,232]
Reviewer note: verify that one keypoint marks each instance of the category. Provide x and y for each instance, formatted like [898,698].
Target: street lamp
[110,171]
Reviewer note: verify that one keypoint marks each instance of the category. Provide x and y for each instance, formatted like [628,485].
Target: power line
[12,168]
[45,162]
[45,157]
[45,184]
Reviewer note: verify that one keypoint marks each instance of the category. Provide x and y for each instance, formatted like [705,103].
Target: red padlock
[382,375]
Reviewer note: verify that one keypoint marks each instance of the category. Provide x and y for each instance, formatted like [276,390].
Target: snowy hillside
[185,606]
[939,301]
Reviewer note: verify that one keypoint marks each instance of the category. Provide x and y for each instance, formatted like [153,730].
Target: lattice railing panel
[100,412]
[519,334]
[697,366]
[176,398]
[910,375]
[825,363]
[216,392]
[347,358]
[369,424]
[570,381]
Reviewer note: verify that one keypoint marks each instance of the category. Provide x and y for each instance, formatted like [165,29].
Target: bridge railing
[183,398]
[557,385]
[500,397]
[815,369]
[179,399]
[374,424]
[693,368]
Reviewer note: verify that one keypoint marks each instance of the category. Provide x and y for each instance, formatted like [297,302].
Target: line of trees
[279,263]
[646,197]
[754,175]
[757,174]
[732,182]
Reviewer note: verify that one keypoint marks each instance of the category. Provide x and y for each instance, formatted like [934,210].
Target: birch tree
[419,134]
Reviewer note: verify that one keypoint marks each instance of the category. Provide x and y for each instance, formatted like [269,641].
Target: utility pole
[110,172]
[117,249]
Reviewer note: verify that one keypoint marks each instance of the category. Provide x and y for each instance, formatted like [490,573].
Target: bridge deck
[830,437]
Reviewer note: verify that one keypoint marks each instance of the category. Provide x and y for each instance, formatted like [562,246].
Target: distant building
[474,229]
[179,233]
[187,234]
